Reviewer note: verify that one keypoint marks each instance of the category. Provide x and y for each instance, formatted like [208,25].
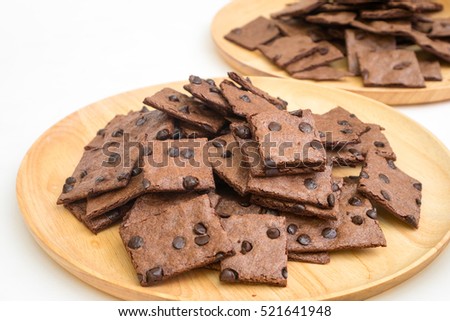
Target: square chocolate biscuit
[391,68]
[177,166]
[244,103]
[286,140]
[186,109]
[310,188]
[231,203]
[363,41]
[259,242]
[258,31]
[100,171]
[338,128]
[184,236]
[388,186]
[135,127]
[356,226]
[206,91]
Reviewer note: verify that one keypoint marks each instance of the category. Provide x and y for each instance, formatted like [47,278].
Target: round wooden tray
[102,261]
[239,12]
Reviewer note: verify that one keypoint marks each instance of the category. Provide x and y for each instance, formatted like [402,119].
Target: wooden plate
[101,260]
[239,12]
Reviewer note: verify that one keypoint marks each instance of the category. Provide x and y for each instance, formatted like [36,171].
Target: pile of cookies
[226,178]
[389,43]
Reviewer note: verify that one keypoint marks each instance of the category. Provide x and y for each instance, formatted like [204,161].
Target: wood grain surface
[101,260]
[239,12]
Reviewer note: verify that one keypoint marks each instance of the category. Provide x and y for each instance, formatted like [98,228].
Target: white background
[59,56]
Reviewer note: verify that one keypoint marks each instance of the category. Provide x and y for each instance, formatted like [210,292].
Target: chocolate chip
[343,123]
[352,115]
[274,126]
[99,179]
[372,213]
[179,242]
[317,145]
[83,174]
[243,132]
[113,215]
[113,159]
[147,150]
[273,233]
[357,220]
[284,272]
[123,177]
[71,180]
[163,134]
[321,134]
[268,162]
[117,133]
[135,242]
[292,229]
[379,144]
[101,132]
[200,229]
[190,182]
[354,152]
[299,208]
[67,188]
[305,127]
[227,154]
[335,187]
[219,257]
[331,200]
[418,186]
[246,247]
[173,152]
[245,98]
[136,171]
[229,275]
[323,50]
[146,183]
[224,215]
[310,183]
[214,90]
[304,239]
[210,82]
[346,131]
[386,195]
[154,275]
[141,121]
[402,65]
[391,164]
[201,240]
[187,153]
[195,80]
[219,143]
[144,109]
[364,174]
[355,201]
[244,203]
[411,220]
[384,178]
[184,109]
[418,201]
[329,233]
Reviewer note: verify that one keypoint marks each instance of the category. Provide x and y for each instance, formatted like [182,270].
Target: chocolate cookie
[286,140]
[391,68]
[177,166]
[184,236]
[356,226]
[388,186]
[244,103]
[257,32]
[259,242]
[186,109]
[207,92]
[100,171]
